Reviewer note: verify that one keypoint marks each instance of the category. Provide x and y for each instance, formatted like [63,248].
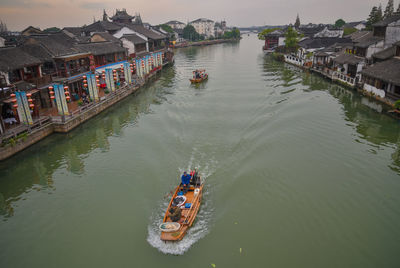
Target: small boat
[199,76]
[189,204]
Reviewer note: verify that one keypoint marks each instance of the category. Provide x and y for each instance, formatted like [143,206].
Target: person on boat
[195,178]
[175,213]
[185,182]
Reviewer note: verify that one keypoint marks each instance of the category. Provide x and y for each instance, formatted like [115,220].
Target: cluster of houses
[205,27]
[368,60]
[36,63]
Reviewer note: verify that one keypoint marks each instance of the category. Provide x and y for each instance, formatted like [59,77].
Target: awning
[73,56]
[113,66]
[32,91]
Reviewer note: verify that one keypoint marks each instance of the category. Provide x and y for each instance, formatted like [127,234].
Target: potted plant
[397,105]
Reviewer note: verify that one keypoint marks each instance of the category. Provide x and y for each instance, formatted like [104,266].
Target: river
[299,172]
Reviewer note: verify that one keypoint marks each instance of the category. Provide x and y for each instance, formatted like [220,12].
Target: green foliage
[80,102]
[389,9]
[292,38]
[234,34]
[189,33]
[22,136]
[264,32]
[297,23]
[12,142]
[347,31]
[106,91]
[374,16]
[309,55]
[340,23]
[166,28]
[52,30]
[397,105]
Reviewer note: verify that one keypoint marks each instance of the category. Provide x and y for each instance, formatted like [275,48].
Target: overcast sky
[18,14]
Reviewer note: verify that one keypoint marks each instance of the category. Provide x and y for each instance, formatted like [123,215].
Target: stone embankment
[48,125]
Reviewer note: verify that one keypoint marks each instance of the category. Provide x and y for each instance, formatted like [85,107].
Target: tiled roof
[385,54]
[13,58]
[387,21]
[348,58]
[134,39]
[322,42]
[100,48]
[388,71]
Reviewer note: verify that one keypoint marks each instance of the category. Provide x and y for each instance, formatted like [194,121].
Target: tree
[398,10]
[234,34]
[264,32]
[52,30]
[347,31]
[3,27]
[340,23]
[297,23]
[379,14]
[166,28]
[292,39]
[189,33]
[374,17]
[389,9]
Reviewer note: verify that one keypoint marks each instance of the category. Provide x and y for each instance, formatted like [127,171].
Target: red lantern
[51,92]
[30,100]
[98,85]
[31,106]
[52,97]
[66,92]
[15,106]
[114,71]
[84,81]
[85,85]
[13,95]
[103,71]
[97,80]
[84,77]
[115,79]
[29,95]
[68,97]
[14,100]
[97,76]
[66,88]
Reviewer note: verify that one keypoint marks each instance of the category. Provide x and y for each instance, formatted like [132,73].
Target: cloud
[93,5]
[24,4]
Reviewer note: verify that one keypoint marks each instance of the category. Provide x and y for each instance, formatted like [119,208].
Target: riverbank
[339,79]
[18,141]
[205,43]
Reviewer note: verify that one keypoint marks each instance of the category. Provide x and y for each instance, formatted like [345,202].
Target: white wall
[5,75]
[372,89]
[281,41]
[2,40]
[374,49]
[129,45]
[126,30]
[294,60]
[392,33]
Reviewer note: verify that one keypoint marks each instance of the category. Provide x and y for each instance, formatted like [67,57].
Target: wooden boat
[199,80]
[188,216]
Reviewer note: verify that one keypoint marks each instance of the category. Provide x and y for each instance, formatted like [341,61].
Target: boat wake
[200,227]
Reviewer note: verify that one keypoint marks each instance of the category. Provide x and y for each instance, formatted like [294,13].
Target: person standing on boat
[185,182]
[175,213]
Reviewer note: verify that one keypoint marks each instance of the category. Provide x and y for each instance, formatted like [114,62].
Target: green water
[299,173]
